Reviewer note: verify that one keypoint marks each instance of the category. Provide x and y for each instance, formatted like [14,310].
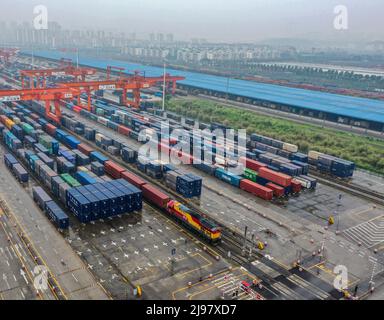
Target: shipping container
[296,186]
[278,191]
[252,164]
[97,168]
[20,173]
[9,160]
[40,197]
[84,148]
[84,178]
[256,189]
[97,156]
[155,196]
[113,169]
[133,179]
[276,177]
[57,215]
[228,177]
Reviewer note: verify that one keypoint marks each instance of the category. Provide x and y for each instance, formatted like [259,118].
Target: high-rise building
[160,37]
[169,37]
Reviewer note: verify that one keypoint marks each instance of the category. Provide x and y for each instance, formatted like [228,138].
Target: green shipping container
[99,111]
[250,175]
[27,128]
[46,141]
[70,180]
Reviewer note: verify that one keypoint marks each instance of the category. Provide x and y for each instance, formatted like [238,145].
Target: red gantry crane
[48,95]
[157,80]
[118,84]
[135,83]
[152,81]
[66,68]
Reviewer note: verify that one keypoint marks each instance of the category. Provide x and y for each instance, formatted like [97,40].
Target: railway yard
[285,248]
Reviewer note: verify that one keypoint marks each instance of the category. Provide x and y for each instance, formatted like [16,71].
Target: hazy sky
[223,20]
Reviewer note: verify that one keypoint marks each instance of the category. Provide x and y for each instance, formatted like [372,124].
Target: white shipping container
[314,154]
[290,147]
[99,136]
[221,161]
[102,120]
[304,183]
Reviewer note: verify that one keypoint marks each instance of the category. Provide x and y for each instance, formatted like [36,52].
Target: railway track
[350,188]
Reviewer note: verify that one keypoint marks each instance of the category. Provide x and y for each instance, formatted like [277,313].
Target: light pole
[227,89]
[163,105]
[338,213]
[77,58]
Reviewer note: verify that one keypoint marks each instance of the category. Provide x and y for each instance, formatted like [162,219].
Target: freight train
[194,220]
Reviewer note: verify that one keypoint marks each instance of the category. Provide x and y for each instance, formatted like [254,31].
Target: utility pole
[163,106]
[338,213]
[77,58]
[245,238]
[32,59]
[227,89]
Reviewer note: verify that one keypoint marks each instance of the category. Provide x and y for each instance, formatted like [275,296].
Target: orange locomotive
[194,221]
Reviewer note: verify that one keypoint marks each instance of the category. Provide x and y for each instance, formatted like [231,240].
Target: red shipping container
[77,109]
[296,186]
[34,116]
[256,189]
[155,196]
[123,130]
[84,148]
[164,150]
[113,169]
[252,164]
[279,178]
[50,128]
[278,191]
[3,118]
[132,178]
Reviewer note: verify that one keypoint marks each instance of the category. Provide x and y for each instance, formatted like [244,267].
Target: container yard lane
[70,277]
[15,265]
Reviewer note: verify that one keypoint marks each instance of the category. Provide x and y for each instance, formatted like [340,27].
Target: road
[16,266]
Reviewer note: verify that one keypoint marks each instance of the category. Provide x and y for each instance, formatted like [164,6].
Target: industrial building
[361,112]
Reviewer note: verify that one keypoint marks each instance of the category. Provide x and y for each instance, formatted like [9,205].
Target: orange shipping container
[9,124]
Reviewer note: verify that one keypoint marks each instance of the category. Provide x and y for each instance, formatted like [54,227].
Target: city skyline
[216,21]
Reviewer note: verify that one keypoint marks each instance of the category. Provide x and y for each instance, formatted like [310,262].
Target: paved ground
[136,250]
[47,241]
[221,286]
[16,282]
[296,231]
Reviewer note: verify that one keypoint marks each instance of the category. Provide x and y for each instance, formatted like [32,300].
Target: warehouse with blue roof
[366,113]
